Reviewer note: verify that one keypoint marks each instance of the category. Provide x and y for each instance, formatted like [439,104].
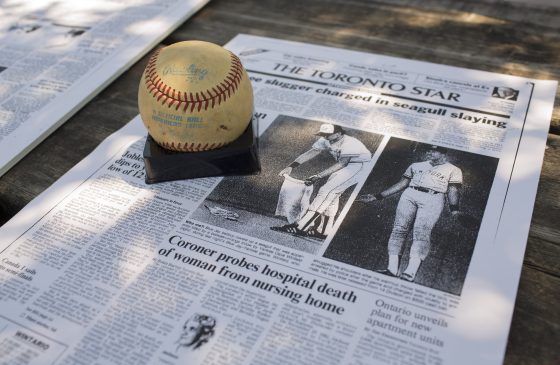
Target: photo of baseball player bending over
[350,155]
[425,185]
[309,171]
[417,216]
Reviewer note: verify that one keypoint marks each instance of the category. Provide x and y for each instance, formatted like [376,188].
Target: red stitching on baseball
[159,90]
[191,147]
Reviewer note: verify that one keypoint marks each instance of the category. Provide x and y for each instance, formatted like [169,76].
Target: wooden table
[512,38]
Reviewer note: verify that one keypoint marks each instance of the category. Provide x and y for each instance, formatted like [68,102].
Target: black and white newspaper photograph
[297,198]
[417,215]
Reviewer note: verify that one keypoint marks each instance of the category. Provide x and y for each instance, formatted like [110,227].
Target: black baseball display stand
[240,157]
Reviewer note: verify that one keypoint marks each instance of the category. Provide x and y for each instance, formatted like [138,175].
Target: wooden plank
[547,205]
[542,255]
[540,14]
[535,328]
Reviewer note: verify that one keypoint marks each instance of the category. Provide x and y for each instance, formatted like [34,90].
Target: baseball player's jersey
[345,147]
[437,178]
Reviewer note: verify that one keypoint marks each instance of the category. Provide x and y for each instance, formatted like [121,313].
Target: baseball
[195,96]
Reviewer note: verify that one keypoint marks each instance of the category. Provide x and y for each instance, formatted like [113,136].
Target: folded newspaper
[388,226]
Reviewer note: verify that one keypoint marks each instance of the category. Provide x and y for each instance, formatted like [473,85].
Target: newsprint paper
[55,55]
[387,226]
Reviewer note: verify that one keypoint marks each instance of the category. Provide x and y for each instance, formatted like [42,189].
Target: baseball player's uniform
[342,179]
[424,200]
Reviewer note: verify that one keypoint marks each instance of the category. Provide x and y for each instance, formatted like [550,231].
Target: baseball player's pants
[426,208]
[337,183]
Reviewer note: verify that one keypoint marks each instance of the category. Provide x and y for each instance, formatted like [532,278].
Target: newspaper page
[387,226]
[56,55]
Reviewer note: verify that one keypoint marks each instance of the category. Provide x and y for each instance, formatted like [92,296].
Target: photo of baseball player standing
[425,185]
[350,156]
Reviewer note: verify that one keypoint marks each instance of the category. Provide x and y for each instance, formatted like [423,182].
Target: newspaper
[56,55]
[387,226]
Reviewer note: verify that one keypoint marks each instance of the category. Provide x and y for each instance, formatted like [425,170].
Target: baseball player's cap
[438,148]
[328,129]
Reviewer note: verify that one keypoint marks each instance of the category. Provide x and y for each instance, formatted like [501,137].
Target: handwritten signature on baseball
[192,72]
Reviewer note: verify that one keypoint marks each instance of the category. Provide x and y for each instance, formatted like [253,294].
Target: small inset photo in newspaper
[418,214]
[191,341]
[309,170]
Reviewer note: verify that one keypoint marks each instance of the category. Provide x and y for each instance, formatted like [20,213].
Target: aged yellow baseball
[195,96]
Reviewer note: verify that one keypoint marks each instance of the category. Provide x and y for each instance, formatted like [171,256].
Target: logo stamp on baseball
[195,96]
[192,73]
